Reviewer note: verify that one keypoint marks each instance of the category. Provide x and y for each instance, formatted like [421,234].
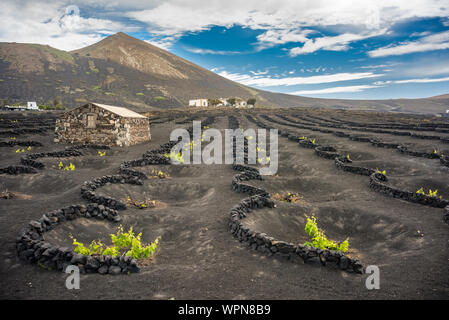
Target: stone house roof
[120,111]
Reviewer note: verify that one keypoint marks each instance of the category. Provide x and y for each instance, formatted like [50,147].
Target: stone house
[96,123]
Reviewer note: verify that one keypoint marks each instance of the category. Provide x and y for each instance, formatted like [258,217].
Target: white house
[198,103]
[239,103]
[31,105]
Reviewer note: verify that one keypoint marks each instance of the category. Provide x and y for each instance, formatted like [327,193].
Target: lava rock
[114,270]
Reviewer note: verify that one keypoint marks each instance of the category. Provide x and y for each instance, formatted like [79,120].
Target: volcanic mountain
[122,70]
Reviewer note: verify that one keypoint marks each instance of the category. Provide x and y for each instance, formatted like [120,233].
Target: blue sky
[328,49]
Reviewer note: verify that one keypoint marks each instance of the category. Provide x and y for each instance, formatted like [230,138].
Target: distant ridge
[441,96]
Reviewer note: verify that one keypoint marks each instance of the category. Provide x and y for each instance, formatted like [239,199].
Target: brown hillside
[138,55]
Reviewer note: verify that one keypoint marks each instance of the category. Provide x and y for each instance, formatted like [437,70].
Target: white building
[31,105]
[198,103]
[240,103]
[220,102]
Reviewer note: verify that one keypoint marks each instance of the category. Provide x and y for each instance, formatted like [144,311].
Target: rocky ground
[199,258]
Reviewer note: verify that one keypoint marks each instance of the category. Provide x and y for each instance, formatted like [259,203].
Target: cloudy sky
[361,49]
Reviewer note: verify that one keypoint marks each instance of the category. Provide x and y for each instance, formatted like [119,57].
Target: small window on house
[91,121]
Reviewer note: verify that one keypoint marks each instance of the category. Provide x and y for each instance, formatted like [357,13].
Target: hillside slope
[125,71]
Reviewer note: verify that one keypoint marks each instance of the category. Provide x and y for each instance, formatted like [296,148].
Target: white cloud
[334,90]
[288,20]
[445,22]
[424,80]
[437,41]
[163,43]
[48,23]
[337,43]
[291,81]
[209,51]
[359,88]
[420,34]
[375,66]
[281,22]
[259,73]
[278,36]
[381,83]
[175,16]
[420,80]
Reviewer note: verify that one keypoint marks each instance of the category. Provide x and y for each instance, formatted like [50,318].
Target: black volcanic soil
[199,258]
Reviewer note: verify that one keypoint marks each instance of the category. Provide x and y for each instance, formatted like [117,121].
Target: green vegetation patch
[319,239]
[123,243]
[92,67]
[67,57]
[140,94]
[159,98]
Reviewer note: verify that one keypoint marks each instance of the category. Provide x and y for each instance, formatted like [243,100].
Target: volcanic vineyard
[371,187]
